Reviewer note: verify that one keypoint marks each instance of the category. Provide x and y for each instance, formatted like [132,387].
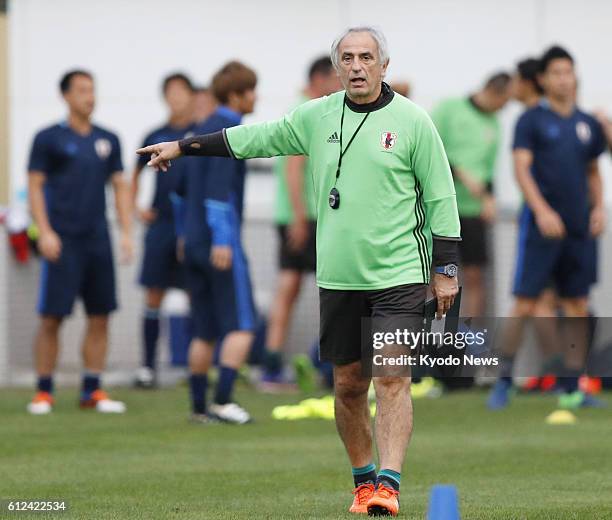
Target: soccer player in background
[386,217]
[70,164]
[160,266]
[470,131]
[556,147]
[296,220]
[205,104]
[209,219]
[525,88]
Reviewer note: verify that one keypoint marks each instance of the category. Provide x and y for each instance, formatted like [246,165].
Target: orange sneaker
[384,502]
[362,493]
[41,404]
[102,403]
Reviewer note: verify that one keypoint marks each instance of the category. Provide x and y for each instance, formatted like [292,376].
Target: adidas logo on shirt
[333,138]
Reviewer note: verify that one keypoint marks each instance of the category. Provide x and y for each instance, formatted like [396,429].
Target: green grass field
[151,463]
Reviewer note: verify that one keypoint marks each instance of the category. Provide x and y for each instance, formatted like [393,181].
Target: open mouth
[357,82]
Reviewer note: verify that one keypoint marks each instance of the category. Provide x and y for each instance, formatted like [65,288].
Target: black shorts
[342,312]
[304,260]
[473,245]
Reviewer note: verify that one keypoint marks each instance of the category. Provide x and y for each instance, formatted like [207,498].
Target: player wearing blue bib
[209,217]
[556,146]
[70,165]
[160,266]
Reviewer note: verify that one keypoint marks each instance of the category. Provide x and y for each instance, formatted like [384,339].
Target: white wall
[444,47]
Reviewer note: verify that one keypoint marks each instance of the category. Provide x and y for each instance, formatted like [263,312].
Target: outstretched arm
[203,145]
[285,136]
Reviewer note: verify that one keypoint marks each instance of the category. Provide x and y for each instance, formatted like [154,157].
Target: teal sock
[364,474]
[389,478]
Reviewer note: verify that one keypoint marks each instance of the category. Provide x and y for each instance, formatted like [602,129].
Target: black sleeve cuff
[211,145]
[445,251]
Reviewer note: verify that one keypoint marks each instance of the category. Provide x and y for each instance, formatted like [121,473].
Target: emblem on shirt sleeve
[387,140]
[583,131]
[103,148]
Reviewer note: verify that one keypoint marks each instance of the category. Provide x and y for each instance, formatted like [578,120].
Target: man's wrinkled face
[360,69]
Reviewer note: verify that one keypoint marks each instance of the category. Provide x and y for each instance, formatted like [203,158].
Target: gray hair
[379,38]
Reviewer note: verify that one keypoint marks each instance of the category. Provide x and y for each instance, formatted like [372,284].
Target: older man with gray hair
[387,216]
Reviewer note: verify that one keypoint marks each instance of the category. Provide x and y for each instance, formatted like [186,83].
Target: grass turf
[151,463]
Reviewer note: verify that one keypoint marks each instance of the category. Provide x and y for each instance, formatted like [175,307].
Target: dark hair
[322,65]
[177,76]
[554,53]
[232,77]
[66,80]
[528,70]
[498,82]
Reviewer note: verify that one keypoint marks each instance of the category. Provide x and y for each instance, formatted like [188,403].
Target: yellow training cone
[561,417]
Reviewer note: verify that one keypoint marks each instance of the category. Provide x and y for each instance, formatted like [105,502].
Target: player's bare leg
[46,345]
[234,352]
[352,412]
[393,431]
[46,348]
[511,339]
[287,291]
[200,356]
[95,343]
[575,342]
[393,420]
[474,291]
[289,285]
[95,348]
[355,428]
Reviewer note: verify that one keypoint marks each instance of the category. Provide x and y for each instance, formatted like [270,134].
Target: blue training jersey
[77,168]
[212,190]
[562,149]
[165,182]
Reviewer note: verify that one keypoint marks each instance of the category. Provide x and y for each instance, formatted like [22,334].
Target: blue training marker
[443,503]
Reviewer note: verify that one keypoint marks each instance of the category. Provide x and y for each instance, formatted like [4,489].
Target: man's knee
[50,324]
[349,383]
[154,298]
[524,307]
[390,386]
[98,322]
[576,307]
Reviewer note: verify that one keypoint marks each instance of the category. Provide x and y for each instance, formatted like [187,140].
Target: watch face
[451,270]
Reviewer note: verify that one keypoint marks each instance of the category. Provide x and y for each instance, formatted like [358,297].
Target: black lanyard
[342,153]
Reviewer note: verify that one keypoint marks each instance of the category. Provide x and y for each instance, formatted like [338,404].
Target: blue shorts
[568,265]
[160,266]
[221,301]
[85,268]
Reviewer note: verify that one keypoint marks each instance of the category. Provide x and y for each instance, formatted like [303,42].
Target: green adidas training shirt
[396,187]
[471,138]
[283,212]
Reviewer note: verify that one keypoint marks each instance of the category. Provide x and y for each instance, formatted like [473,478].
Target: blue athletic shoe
[500,395]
